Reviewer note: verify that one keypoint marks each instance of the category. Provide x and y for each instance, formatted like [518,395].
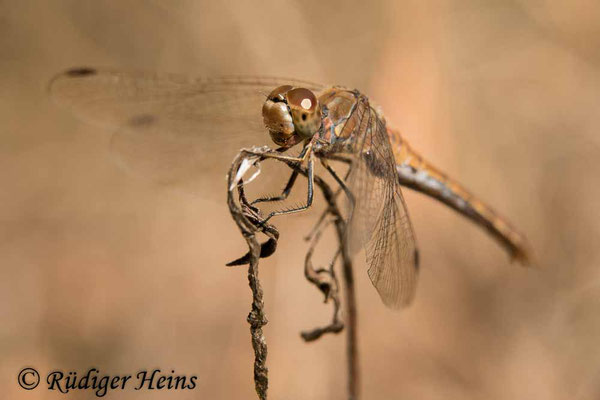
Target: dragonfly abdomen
[416,173]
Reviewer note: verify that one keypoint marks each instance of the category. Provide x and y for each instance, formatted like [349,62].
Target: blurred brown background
[102,270]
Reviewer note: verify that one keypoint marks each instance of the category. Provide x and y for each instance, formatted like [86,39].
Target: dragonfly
[179,130]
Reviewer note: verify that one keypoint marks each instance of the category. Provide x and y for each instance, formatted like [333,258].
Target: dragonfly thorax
[291,115]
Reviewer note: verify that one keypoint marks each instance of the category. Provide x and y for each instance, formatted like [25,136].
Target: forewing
[172,129]
[379,220]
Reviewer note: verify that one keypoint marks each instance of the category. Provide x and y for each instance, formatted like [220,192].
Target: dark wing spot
[142,120]
[83,71]
[303,116]
[417,260]
[376,166]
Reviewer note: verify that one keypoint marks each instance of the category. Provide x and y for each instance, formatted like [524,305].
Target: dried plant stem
[326,281]
[350,294]
[249,222]
[351,324]
[245,217]
[348,278]
[257,320]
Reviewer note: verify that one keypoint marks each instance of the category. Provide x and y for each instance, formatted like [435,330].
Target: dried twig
[248,220]
[326,281]
[350,294]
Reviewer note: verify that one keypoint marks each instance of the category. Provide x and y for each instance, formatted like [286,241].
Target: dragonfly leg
[339,180]
[315,230]
[284,194]
[309,200]
[276,155]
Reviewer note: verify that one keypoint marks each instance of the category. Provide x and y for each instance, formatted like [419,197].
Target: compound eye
[278,94]
[302,99]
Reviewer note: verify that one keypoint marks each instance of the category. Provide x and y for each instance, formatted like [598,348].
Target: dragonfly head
[291,115]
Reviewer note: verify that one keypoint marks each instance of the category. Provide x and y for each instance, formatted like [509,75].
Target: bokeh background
[99,269]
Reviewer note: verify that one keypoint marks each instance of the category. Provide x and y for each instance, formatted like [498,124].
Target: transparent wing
[380,221]
[172,129]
